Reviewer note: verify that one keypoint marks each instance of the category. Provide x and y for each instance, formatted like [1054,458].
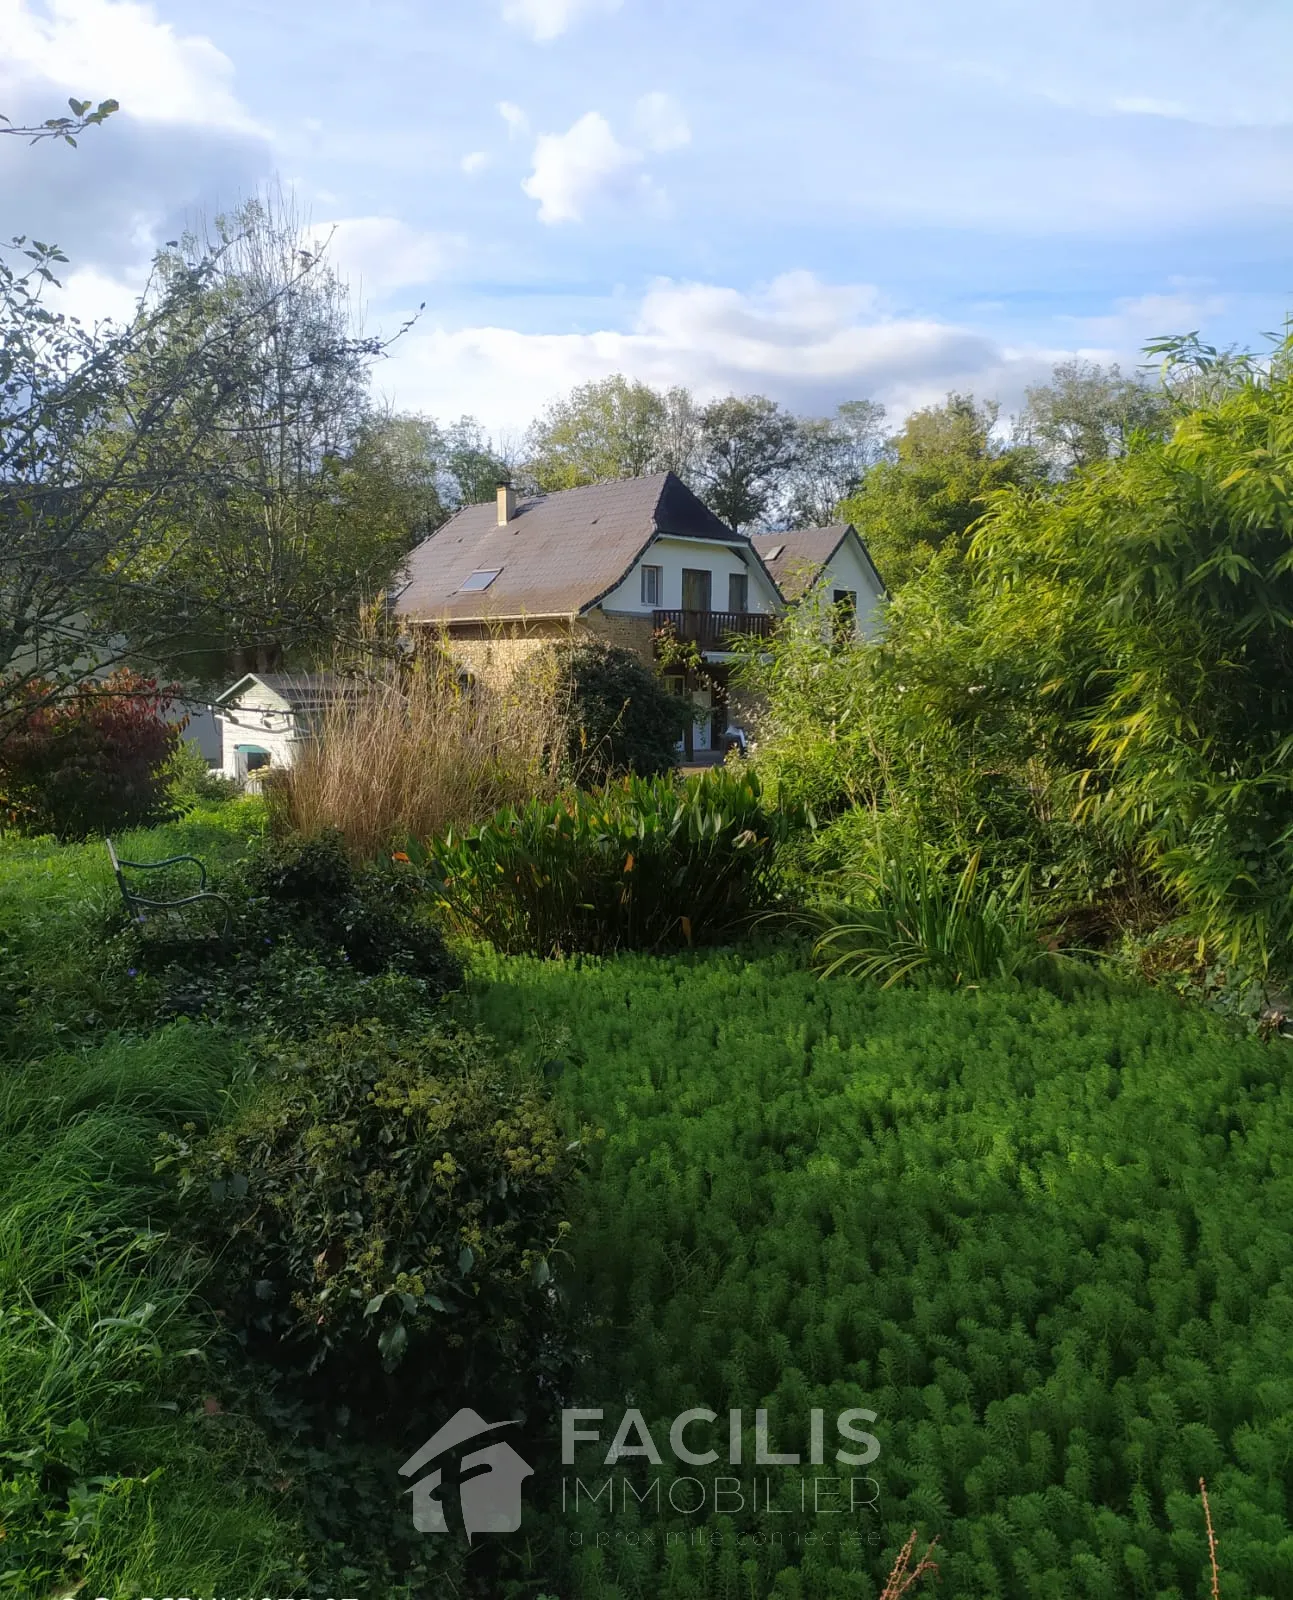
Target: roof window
[772,554]
[479,580]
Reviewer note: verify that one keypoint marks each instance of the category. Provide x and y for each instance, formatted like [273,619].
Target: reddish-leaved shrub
[90,760]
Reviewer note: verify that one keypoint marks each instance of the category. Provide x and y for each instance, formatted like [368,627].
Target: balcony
[713,630]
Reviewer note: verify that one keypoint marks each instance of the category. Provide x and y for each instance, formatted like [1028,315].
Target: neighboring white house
[266,717]
[830,562]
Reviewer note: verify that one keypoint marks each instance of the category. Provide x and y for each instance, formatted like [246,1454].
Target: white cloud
[518,124]
[1134,321]
[93,48]
[1147,106]
[93,296]
[660,123]
[546,19]
[475,162]
[588,163]
[804,342]
[381,254]
[584,164]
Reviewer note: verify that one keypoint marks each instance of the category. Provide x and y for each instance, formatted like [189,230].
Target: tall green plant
[640,864]
[914,917]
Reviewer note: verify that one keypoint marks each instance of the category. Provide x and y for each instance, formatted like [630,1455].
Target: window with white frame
[651,585]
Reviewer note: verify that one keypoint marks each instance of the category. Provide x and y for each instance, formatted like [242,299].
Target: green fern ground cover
[1047,1242]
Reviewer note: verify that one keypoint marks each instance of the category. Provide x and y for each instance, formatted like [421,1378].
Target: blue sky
[818,201]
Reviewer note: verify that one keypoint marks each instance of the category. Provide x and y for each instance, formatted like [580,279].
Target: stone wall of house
[493,655]
[622,628]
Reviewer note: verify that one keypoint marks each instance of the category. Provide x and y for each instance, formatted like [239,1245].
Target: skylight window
[774,552]
[479,580]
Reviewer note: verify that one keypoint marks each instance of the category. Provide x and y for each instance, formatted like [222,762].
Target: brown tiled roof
[558,555]
[800,556]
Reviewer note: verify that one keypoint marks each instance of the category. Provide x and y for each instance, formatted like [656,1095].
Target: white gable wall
[847,569]
[258,717]
[672,555]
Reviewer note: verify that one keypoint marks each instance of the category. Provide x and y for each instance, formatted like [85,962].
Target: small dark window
[846,610]
[479,580]
[651,586]
[257,759]
[738,591]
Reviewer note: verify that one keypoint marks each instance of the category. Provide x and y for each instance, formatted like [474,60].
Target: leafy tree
[923,502]
[832,455]
[471,466]
[402,457]
[600,431]
[1088,413]
[297,511]
[108,442]
[747,444]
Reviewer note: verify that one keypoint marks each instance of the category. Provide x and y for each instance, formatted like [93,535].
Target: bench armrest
[170,861]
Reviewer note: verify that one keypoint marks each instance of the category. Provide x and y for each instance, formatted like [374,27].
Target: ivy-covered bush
[644,863]
[314,941]
[88,762]
[380,1218]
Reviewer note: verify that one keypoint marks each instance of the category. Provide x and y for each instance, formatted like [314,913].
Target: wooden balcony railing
[713,630]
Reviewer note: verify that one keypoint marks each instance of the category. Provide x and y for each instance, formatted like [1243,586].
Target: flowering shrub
[89,762]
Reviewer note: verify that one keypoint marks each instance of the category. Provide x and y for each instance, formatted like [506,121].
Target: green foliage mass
[622,718]
[315,941]
[1101,689]
[1044,1242]
[64,967]
[908,917]
[920,505]
[380,1216]
[90,763]
[640,864]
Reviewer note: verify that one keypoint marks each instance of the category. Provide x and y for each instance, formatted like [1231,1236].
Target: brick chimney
[506,504]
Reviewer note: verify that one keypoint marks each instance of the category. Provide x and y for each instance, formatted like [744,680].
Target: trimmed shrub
[380,1218]
[89,762]
[644,863]
[622,718]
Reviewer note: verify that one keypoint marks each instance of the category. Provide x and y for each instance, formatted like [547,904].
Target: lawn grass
[113,1472]
[1042,1239]
[58,904]
[114,1478]
[1045,1241]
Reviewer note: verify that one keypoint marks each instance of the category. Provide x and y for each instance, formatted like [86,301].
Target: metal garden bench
[183,914]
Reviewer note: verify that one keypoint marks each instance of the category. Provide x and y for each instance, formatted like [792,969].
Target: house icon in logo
[488,1480]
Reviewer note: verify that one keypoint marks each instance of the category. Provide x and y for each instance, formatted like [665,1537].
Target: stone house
[633,562]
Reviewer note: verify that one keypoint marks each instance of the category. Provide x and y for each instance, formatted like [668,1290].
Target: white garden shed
[266,717]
